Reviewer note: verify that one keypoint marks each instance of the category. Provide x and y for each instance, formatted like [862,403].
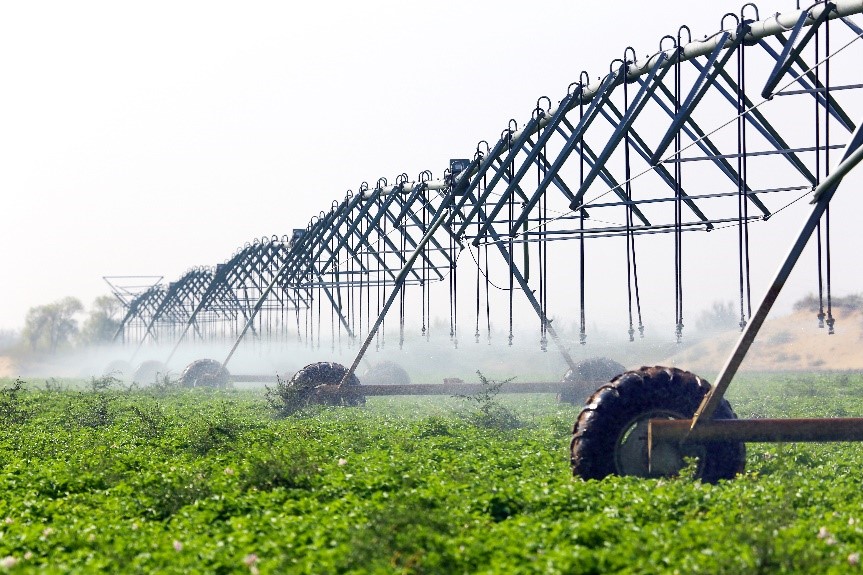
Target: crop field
[99,478]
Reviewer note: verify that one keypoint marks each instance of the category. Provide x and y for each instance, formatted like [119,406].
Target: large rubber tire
[581,382]
[119,369]
[205,373]
[319,383]
[610,434]
[149,372]
[387,373]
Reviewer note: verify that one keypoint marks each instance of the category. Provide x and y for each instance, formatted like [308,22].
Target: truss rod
[771,26]
[750,154]
[814,90]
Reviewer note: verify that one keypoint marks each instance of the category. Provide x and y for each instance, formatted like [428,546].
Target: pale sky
[148,138]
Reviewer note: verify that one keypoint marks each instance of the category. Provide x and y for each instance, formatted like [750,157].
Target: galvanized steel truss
[703,134]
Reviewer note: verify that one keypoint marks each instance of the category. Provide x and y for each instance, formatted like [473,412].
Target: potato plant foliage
[98,478]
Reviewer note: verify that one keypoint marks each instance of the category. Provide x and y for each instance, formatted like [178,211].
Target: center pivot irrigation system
[721,132]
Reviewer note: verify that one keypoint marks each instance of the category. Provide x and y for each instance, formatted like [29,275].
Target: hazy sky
[147,138]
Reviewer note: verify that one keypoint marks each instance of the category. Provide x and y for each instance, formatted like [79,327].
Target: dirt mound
[7,366]
[789,343]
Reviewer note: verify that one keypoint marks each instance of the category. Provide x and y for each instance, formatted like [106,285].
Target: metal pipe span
[770,26]
[382,389]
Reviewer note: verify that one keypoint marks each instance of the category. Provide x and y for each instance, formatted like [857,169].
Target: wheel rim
[630,450]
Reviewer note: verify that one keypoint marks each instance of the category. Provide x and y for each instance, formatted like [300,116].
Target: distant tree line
[721,316]
[54,326]
[725,316]
[812,303]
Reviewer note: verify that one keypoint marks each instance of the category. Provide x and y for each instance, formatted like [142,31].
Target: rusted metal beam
[755,430]
[458,388]
[379,389]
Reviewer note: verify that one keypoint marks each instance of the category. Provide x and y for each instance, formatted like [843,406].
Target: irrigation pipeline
[374,246]
[775,24]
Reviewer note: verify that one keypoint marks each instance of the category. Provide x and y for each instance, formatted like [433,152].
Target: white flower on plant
[854,559]
[823,533]
[47,531]
[177,545]
[342,461]
[8,562]
[250,559]
[9,521]
[229,471]
[28,555]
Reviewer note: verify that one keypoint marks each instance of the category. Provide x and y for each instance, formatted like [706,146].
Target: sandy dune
[792,342]
[7,366]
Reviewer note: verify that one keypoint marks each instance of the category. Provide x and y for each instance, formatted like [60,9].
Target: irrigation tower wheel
[610,434]
[580,382]
[118,368]
[205,373]
[387,373]
[319,383]
[149,371]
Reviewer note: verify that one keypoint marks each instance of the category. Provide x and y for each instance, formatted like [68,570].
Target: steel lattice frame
[701,135]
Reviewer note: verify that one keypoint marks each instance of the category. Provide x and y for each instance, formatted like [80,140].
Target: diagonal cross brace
[817,90]
[514,150]
[760,123]
[621,131]
[577,132]
[514,184]
[707,75]
[532,157]
[606,176]
[700,138]
[642,149]
[790,52]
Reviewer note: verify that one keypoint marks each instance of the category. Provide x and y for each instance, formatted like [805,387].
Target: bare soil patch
[789,343]
[7,366]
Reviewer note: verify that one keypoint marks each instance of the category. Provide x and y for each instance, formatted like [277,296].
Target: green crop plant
[205,480]
[486,411]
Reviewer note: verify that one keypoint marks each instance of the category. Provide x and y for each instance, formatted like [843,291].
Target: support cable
[511,207]
[453,291]
[583,80]
[487,302]
[818,231]
[744,283]
[297,314]
[831,321]
[403,293]
[333,316]
[476,334]
[367,280]
[631,262]
[678,204]
[377,280]
[382,267]
[428,291]
[542,245]
[424,282]
[319,315]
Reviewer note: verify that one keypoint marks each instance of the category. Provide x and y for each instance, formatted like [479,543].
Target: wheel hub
[631,450]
